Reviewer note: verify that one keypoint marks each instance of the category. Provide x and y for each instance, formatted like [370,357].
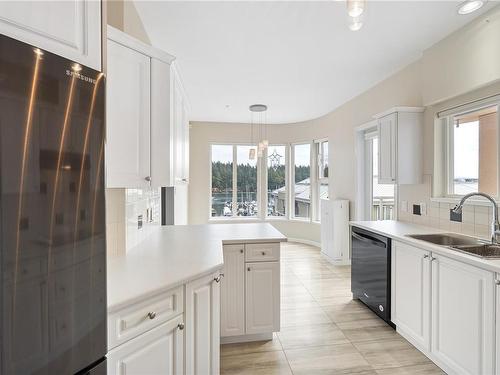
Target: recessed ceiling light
[258,108]
[355,7]
[470,6]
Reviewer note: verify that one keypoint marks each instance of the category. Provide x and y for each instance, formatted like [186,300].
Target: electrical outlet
[423,208]
[416,209]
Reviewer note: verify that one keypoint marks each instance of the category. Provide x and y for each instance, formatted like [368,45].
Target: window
[321,150]
[222,180]
[302,180]
[246,175]
[382,195]
[473,152]
[276,181]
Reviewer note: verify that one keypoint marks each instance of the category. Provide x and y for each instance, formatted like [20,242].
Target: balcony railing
[382,208]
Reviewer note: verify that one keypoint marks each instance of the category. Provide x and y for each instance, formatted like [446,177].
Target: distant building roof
[303,190]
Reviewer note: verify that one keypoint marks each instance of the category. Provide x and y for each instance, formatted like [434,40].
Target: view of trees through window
[246,175]
[222,180]
[276,181]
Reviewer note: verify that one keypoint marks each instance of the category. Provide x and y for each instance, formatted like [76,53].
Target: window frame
[312,177]
[446,119]
[319,179]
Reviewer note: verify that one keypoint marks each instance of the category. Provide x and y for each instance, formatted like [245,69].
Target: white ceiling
[299,58]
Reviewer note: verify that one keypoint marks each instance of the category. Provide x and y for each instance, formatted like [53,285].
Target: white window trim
[287,182]
[444,151]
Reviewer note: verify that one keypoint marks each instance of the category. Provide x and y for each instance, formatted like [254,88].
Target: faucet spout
[495,225]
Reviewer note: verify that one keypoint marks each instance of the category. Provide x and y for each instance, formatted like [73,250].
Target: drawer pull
[180,326]
[248,269]
[263,253]
[426,256]
[241,251]
[497,282]
[151,315]
[218,278]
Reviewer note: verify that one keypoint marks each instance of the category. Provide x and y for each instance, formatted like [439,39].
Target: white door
[462,317]
[233,292]
[156,352]
[262,297]
[387,149]
[203,326]
[71,28]
[410,293]
[128,118]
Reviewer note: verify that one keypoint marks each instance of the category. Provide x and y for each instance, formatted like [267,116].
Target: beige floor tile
[251,347]
[350,312]
[265,363]
[335,359]
[393,353]
[425,369]
[294,291]
[371,321]
[370,333]
[311,335]
[303,316]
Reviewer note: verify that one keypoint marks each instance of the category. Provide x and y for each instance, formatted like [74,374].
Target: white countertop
[399,230]
[174,255]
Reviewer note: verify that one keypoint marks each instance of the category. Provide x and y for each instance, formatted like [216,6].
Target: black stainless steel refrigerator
[52,221]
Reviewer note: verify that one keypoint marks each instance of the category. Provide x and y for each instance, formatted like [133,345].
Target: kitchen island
[165,295]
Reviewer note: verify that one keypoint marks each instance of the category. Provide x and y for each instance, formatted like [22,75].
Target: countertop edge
[469,259]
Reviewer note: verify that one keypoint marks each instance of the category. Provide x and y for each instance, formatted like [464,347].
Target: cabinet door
[233,291]
[203,326]
[262,297]
[71,29]
[410,293]
[387,149]
[462,317]
[162,134]
[181,204]
[159,351]
[497,321]
[181,132]
[128,118]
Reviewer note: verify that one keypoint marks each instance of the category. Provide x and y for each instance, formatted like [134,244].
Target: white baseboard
[246,338]
[343,262]
[306,242]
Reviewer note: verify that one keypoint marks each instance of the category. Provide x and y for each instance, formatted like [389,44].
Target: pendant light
[355,12]
[259,118]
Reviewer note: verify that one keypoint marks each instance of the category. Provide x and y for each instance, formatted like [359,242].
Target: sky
[466,150]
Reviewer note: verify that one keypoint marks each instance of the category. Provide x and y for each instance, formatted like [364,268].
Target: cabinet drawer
[262,252]
[141,317]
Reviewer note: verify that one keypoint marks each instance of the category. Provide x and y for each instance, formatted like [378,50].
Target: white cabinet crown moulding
[399,109]
[131,42]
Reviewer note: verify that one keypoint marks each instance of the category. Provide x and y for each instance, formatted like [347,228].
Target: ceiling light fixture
[470,6]
[355,7]
[355,24]
[258,111]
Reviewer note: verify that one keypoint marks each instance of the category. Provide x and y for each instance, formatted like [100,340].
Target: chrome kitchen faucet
[495,225]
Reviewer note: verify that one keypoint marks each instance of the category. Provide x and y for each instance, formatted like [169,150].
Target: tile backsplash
[476,219]
[131,216]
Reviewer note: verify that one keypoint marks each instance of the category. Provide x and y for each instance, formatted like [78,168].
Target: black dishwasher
[371,271]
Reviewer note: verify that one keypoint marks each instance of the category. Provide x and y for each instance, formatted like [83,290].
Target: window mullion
[235,182]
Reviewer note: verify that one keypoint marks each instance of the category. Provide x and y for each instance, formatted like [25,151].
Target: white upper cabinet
[400,158]
[463,311]
[71,28]
[147,141]
[127,118]
[410,291]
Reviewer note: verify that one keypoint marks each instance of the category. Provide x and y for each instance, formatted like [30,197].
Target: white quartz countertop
[399,230]
[174,255]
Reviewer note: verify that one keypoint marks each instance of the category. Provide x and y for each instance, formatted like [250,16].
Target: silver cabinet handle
[218,278]
[148,178]
[184,179]
[426,256]
[241,251]
[248,269]
[180,326]
[151,315]
[263,253]
[497,282]
[433,259]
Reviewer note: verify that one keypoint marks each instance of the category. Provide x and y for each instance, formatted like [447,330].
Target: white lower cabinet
[463,313]
[446,308]
[159,351]
[410,290]
[203,326]
[233,291]
[497,283]
[250,303]
[262,291]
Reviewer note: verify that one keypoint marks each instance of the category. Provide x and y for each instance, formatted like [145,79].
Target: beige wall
[439,75]
[123,16]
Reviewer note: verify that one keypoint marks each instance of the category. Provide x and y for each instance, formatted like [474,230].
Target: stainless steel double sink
[463,244]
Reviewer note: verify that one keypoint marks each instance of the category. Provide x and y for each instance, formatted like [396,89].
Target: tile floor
[323,331]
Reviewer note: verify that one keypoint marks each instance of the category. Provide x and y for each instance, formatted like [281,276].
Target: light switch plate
[423,209]
[404,206]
